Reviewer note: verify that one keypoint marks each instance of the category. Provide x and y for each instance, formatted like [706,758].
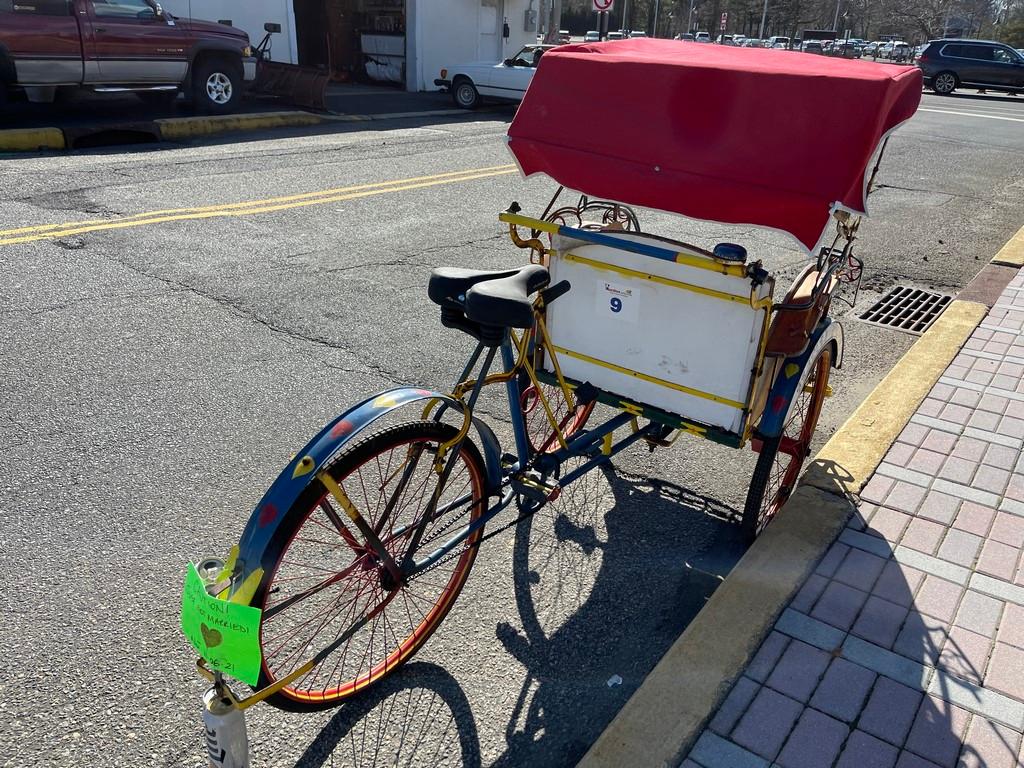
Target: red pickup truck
[121,45]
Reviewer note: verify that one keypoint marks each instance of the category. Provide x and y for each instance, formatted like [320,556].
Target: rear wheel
[322,580]
[944,83]
[543,439]
[781,458]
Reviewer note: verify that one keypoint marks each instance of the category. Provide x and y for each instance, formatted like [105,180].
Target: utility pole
[689,19]
[835,20]
[764,15]
[657,7]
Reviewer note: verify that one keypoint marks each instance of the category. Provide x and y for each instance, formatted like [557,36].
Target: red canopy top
[738,135]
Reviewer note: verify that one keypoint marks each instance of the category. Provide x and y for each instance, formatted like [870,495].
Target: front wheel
[217,86]
[325,591]
[944,83]
[781,458]
[465,94]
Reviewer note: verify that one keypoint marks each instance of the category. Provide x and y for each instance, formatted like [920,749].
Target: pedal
[534,487]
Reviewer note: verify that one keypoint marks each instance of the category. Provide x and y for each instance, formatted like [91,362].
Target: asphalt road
[156,374]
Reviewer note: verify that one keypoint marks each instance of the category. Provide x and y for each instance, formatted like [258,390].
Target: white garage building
[403,41]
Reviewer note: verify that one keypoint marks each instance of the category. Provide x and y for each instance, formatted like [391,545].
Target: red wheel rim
[538,428]
[398,621]
[795,442]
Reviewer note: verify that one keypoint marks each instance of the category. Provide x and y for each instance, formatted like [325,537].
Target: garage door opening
[355,40]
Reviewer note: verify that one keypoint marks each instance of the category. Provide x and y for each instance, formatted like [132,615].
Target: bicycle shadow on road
[417,716]
[606,578]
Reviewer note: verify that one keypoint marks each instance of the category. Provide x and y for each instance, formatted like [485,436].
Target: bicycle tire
[542,438]
[777,472]
[286,645]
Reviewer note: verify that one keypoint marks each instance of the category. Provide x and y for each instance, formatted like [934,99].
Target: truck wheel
[216,86]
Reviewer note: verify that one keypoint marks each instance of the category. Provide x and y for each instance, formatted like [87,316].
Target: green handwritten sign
[226,635]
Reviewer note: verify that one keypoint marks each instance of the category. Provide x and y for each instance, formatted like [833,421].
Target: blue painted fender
[299,473]
[794,373]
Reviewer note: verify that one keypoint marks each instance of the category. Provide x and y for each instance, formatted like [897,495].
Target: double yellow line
[248,208]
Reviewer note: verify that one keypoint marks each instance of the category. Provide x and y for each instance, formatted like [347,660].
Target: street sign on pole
[603,6]
[725,19]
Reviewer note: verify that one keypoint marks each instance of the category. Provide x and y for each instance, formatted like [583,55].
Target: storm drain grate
[907,309]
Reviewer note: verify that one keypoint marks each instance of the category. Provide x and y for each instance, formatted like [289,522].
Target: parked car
[685,36]
[507,80]
[564,37]
[948,64]
[813,46]
[844,49]
[592,36]
[121,45]
[703,37]
[753,42]
[725,40]
[777,41]
[894,49]
[870,49]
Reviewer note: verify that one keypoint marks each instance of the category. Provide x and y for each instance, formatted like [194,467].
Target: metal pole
[764,15]
[689,19]
[657,8]
[835,21]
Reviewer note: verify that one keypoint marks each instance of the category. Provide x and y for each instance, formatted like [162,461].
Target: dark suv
[948,64]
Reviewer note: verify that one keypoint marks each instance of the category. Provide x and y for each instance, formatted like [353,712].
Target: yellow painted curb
[176,128]
[849,458]
[658,725]
[1012,254]
[31,139]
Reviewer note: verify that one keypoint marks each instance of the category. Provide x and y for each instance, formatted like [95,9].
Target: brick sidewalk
[906,646]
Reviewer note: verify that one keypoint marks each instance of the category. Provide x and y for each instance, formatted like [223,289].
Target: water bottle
[226,740]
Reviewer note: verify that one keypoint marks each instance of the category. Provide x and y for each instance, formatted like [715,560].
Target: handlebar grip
[552,292]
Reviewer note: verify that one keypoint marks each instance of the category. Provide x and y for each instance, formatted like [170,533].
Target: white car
[507,80]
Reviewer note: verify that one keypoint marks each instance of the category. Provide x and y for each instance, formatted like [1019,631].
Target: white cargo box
[675,336]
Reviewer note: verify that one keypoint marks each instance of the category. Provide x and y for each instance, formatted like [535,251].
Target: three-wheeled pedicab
[360,547]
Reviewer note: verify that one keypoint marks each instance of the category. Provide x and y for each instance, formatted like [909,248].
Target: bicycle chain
[491,534]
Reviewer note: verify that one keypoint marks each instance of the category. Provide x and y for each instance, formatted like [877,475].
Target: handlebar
[552,292]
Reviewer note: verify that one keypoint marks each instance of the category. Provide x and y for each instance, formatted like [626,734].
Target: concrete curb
[179,128]
[663,718]
[184,128]
[31,139]
[1012,254]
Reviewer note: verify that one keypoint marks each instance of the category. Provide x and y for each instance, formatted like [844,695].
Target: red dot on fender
[342,428]
[267,515]
[778,403]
